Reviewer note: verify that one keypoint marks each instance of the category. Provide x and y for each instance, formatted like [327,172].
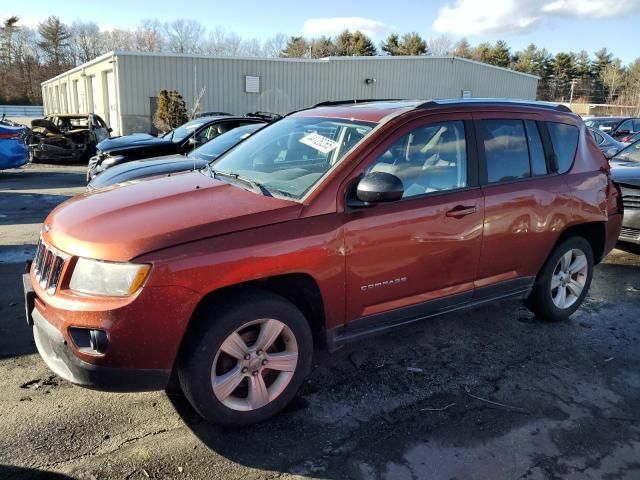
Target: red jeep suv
[337,222]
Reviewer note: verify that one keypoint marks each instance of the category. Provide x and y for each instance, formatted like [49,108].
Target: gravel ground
[491,393]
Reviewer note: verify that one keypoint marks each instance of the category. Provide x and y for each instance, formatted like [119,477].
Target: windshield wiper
[236,176]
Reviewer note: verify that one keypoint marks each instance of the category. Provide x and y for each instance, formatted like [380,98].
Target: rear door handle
[460,211]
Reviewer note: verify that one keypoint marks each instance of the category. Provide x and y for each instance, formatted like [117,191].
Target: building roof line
[325,60]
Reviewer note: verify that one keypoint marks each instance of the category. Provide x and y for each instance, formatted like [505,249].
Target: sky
[557,25]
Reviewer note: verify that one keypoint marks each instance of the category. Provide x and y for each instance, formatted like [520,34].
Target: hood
[625,172]
[144,168]
[136,140]
[121,223]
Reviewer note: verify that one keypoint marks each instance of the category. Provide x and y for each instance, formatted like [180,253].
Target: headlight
[107,278]
[110,161]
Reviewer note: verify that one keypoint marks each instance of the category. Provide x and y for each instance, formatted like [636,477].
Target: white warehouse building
[123,87]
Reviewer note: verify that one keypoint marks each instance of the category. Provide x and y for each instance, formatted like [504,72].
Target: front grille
[47,267]
[631,202]
[630,234]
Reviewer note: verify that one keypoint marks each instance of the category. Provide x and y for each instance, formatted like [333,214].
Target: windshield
[629,154]
[183,131]
[216,147]
[293,154]
[602,123]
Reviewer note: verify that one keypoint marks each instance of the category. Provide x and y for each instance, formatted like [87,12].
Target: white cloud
[473,17]
[315,27]
[590,8]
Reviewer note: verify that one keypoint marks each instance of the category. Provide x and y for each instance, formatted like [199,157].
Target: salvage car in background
[180,140]
[199,158]
[617,127]
[625,170]
[608,145]
[66,137]
[13,151]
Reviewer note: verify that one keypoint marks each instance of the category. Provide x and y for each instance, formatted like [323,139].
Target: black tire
[540,299]
[210,329]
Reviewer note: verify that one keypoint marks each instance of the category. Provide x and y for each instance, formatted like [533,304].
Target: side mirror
[377,187]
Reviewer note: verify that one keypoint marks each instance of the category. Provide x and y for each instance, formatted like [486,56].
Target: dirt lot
[493,393]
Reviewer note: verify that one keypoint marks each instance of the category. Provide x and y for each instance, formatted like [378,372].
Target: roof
[370,110]
[111,57]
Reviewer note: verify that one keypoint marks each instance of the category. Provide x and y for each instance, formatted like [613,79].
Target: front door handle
[460,211]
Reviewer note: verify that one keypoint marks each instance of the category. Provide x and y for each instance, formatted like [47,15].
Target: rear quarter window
[564,139]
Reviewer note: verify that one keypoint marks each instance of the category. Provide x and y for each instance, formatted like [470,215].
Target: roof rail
[495,101]
[332,103]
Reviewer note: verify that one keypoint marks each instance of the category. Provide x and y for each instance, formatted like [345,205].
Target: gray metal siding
[287,84]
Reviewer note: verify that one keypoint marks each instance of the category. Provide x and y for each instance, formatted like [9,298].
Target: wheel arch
[593,232]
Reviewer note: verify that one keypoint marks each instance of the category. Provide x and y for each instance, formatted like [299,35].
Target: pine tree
[413,44]
[54,39]
[160,119]
[391,45]
[500,55]
[463,49]
[482,53]
[322,47]
[354,44]
[297,47]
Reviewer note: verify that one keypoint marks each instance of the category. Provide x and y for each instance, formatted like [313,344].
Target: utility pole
[573,84]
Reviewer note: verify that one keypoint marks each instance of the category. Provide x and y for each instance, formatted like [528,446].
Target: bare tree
[118,40]
[274,45]
[86,41]
[149,36]
[184,36]
[252,48]
[611,77]
[440,46]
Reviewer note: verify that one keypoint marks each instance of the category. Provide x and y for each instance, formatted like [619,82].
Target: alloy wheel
[254,364]
[569,278]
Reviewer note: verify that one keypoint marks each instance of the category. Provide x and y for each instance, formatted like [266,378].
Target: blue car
[13,152]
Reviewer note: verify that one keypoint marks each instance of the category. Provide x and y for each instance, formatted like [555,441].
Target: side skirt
[382,322]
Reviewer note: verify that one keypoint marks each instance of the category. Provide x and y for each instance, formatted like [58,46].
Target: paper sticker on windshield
[320,143]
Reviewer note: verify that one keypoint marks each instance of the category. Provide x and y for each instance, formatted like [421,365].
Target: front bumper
[630,231]
[54,350]
[143,334]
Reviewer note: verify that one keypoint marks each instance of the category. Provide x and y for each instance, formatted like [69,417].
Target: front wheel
[563,282]
[244,363]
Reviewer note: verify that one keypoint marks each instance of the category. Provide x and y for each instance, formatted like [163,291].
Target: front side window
[291,156]
[506,150]
[625,126]
[597,137]
[564,139]
[184,131]
[431,158]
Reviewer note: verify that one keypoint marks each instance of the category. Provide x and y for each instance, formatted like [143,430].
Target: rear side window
[536,150]
[506,151]
[564,139]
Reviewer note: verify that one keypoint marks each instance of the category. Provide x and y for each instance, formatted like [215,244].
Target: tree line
[29,56]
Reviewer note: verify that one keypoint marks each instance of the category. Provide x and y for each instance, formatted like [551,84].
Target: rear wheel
[244,363]
[563,282]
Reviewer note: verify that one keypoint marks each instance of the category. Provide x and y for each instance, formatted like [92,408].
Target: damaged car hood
[136,140]
[121,223]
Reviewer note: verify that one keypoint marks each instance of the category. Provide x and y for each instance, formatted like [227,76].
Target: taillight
[9,136]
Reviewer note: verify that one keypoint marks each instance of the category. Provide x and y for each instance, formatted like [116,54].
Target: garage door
[111,102]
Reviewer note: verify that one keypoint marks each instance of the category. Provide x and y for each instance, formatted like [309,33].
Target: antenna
[195,87]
